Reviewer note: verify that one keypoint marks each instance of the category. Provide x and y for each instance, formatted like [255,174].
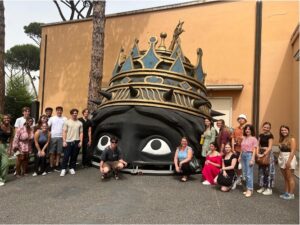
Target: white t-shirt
[20,122]
[57,124]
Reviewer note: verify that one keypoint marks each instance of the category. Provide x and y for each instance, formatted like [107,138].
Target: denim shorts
[56,145]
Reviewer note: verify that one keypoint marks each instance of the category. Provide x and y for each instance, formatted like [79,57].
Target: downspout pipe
[44,75]
[257,62]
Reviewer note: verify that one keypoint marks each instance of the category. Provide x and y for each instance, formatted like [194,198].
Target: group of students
[228,157]
[50,136]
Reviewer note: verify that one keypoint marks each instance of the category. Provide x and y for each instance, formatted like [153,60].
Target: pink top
[23,140]
[249,143]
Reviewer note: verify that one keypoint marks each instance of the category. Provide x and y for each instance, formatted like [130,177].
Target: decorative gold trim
[153,104]
[159,87]
[162,73]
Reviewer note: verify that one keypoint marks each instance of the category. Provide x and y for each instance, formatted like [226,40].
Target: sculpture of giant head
[154,98]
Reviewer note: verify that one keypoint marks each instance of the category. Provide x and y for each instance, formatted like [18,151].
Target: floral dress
[209,137]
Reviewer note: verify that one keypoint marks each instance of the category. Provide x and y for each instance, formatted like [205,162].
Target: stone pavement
[84,198]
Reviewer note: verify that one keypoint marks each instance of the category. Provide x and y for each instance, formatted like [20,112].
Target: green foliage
[25,57]
[17,96]
[34,31]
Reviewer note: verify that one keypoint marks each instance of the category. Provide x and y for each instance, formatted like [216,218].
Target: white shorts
[283,158]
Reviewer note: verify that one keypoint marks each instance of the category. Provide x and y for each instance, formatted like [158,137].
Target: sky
[19,13]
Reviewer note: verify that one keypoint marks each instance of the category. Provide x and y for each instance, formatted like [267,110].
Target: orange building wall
[279,20]
[295,93]
[67,65]
[224,30]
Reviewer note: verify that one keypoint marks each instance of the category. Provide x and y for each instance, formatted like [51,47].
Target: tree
[26,58]
[96,72]
[34,31]
[79,9]
[2,49]
[17,96]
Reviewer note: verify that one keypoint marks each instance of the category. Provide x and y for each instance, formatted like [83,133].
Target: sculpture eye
[103,142]
[157,147]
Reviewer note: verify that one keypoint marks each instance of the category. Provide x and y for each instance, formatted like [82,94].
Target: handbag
[194,164]
[202,140]
[264,160]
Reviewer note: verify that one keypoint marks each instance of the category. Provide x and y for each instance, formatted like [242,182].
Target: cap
[243,116]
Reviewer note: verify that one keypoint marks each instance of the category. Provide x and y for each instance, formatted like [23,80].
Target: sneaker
[261,190]
[289,196]
[56,169]
[102,177]
[2,183]
[205,182]
[117,177]
[283,195]
[34,174]
[72,171]
[268,191]
[45,173]
[63,173]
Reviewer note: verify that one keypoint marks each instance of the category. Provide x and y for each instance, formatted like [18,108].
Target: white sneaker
[63,173]
[2,183]
[72,171]
[34,174]
[205,182]
[261,190]
[45,173]
[268,191]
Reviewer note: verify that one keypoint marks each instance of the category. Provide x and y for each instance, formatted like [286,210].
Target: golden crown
[159,77]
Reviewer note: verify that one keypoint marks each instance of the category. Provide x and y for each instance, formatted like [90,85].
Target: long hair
[284,139]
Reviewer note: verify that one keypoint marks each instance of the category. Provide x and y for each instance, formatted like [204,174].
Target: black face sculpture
[145,133]
[155,97]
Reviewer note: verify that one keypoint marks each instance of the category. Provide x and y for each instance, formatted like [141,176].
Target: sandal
[184,179]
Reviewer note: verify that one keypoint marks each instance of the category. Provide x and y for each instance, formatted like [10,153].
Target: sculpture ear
[133,91]
[106,94]
[168,95]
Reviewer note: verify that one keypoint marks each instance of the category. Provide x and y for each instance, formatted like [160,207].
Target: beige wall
[224,30]
[277,102]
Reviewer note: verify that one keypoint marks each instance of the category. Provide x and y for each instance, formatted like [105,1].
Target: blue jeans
[247,169]
[70,154]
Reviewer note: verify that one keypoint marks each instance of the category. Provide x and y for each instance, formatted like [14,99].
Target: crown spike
[106,94]
[197,103]
[135,52]
[133,91]
[97,102]
[168,95]
[214,113]
[177,31]
[162,45]
[121,58]
[198,69]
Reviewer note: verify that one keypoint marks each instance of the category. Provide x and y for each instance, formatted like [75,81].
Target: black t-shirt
[264,139]
[111,155]
[86,124]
